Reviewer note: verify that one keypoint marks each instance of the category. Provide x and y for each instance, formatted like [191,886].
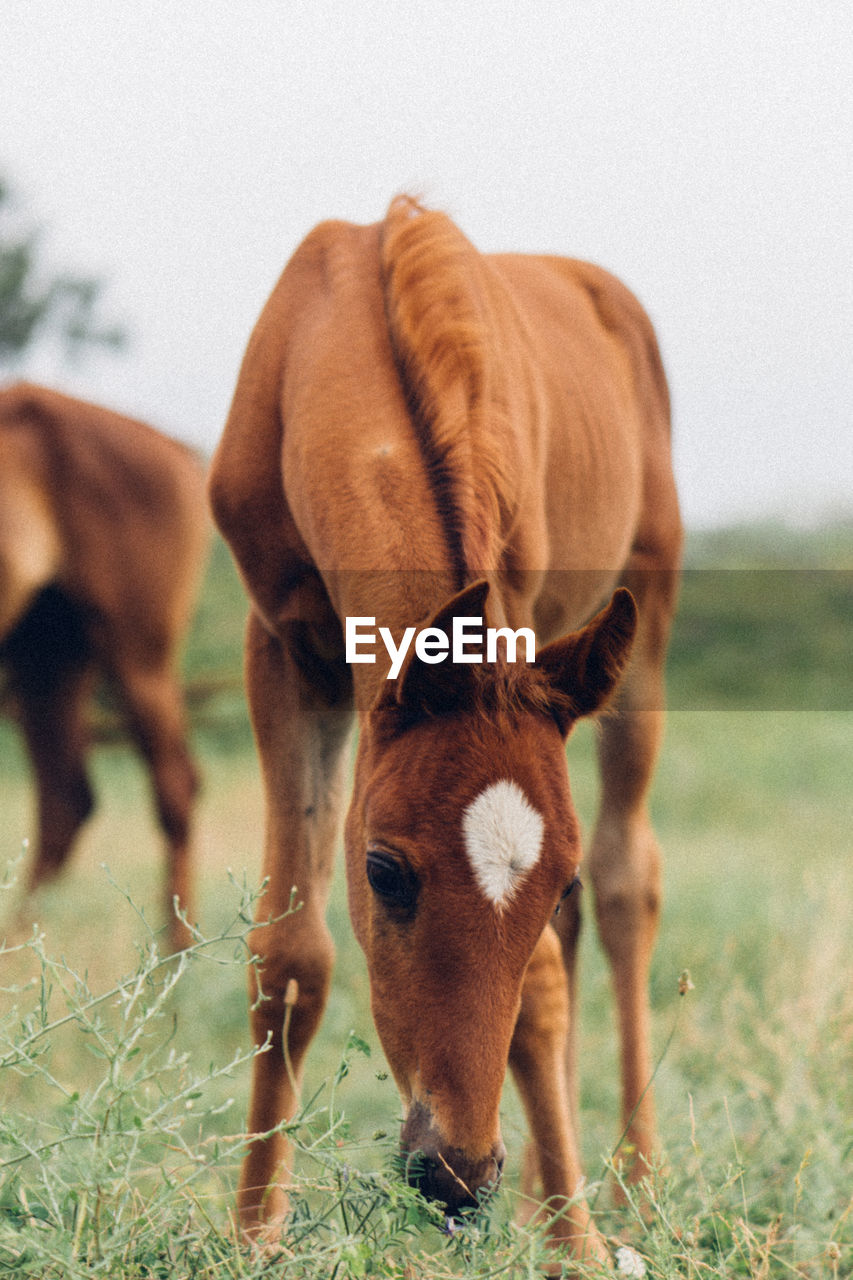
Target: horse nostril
[447,1174]
[422,1172]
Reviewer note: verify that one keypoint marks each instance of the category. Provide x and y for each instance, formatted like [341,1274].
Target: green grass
[765,620]
[120,1137]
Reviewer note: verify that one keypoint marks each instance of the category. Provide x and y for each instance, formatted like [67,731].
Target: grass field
[124,1097]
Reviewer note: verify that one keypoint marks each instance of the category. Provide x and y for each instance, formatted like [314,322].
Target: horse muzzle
[447,1174]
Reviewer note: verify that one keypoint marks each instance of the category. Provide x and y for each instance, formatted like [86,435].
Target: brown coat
[102,537]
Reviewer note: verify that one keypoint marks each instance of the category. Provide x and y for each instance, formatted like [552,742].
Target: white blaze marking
[503,839]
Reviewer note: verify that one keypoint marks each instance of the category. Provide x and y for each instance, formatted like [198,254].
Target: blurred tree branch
[33,306]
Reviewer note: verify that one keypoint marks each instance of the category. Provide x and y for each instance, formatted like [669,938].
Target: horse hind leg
[52,709]
[154,704]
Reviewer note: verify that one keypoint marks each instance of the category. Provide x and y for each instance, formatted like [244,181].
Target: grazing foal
[421,436]
[103,530]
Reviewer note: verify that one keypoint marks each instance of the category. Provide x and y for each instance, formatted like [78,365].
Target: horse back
[601,417]
[409,403]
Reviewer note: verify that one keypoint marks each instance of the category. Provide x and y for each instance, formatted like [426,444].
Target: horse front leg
[537,1059]
[624,859]
[301,734]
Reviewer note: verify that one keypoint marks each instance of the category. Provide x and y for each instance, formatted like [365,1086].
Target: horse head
[461,840]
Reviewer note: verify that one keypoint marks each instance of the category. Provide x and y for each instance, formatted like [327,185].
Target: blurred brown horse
[424,435]
[103,531]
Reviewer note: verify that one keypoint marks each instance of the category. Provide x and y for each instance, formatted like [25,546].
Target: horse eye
[574,883]
[392,881]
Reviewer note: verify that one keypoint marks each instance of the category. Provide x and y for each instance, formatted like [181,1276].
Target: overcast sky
[702,151]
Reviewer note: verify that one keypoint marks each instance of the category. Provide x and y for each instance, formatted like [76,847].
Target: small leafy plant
[127,1173]
[126,1169]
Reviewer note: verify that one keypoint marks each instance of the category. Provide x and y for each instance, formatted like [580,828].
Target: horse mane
[505,693]
[437,298]
[511,690]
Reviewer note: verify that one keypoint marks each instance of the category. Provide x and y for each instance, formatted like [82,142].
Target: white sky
[702,151]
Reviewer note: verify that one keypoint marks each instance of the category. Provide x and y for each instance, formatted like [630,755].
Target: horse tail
[437,304]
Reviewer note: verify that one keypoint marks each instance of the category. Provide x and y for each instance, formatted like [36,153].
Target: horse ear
[433,688]
[586,665]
